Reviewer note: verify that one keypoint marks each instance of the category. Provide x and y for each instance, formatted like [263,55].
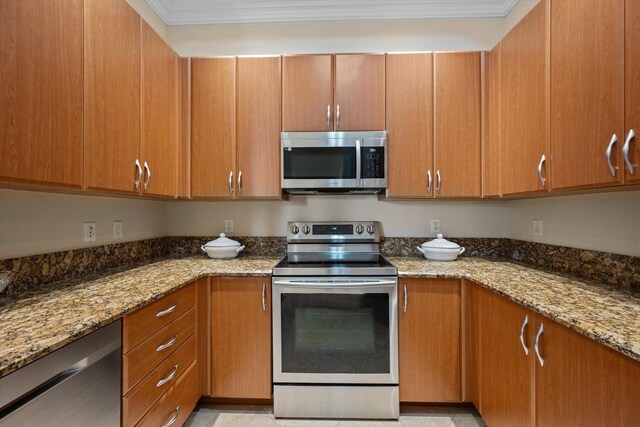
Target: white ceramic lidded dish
[440,249]
[222,248]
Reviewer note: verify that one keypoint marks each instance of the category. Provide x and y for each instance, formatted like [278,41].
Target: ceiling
[198,12]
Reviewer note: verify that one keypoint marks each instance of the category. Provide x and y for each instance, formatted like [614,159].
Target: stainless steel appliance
[333,162]
[335,324]
[77,385]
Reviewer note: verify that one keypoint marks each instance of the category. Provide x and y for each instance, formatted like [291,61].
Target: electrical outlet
[89,231]
[117,230]
[537,228]
[228,226]
[435,225]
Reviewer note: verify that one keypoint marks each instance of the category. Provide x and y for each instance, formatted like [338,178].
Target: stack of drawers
[158,363]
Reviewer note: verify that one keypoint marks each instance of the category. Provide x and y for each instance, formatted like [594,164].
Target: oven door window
[319,163]
[335,333]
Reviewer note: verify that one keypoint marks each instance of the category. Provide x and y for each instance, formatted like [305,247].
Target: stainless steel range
[335,324]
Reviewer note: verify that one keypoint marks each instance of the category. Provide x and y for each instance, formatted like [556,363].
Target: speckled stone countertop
[36,323]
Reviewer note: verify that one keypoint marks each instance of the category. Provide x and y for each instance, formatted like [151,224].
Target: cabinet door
[359,96]
[307,93]
[457,138]
[429,372]
[112,95]
[213,127]
[409,100]
[524,104]
[587,90]
[241,337]
[471,299]
[491,123]
[184,153]
[160,118]
[41,92]
[632,89]
[258,131]
[506,371]
[582,382]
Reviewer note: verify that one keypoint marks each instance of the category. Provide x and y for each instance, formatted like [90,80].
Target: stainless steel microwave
[333,162]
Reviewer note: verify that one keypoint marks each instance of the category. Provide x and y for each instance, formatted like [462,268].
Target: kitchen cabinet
[631,147]
[409,117]
[41,92]
[258,127]
[471,299]
[112,97]
[213,127]
[525,117]
[241,337]
[491,123]
[429,313]
[160,115]
[184,152]
[457,125]
[587,93]
[309,102]
[506,361]
[583,382]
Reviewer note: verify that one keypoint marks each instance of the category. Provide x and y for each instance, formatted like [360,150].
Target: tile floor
[262,416]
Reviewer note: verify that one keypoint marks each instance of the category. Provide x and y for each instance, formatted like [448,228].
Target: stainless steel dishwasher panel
[77,385]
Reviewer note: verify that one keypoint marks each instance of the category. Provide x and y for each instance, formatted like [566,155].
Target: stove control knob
[370,229]
[295,229]
[306,229]
[359,229]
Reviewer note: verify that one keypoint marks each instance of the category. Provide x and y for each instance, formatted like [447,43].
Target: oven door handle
[334,285]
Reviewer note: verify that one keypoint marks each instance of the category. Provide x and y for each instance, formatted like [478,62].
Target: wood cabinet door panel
[160,117]
[359,92]
[184,153]
[213,127]
[587,92]
[112,95]
[632,87]
[409,105]
[428,372]
[471,299]
[41,92]
[491,124]
[457,126]
[307,92]
[258,130]
[524,100]
[240,338]
[506,372]
[583,383]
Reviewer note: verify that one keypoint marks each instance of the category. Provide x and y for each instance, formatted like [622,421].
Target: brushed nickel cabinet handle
[167,311]
[168,344]
[240,182]
[328,116]
[146,183]
[536,344]
[438,181]
[173,419]
[138,174]
[337,116]
[625,152]
[169,377]
[524,325]
[231,182]
[264,297]
[543,181]
[406,299]
[429,180]
[607,153]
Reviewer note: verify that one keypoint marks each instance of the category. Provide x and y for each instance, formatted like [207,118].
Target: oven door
[335,330]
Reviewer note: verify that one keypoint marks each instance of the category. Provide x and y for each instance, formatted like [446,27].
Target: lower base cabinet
[240,310]
[429,340]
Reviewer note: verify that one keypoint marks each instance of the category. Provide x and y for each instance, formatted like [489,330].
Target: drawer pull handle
[168,378]
[169,344]
[173,419]
[167,311]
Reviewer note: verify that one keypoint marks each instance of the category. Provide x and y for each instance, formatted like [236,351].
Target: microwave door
[319,167]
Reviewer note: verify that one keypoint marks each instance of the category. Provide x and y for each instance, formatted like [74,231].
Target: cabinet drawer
[144,358]
[138,401]
[178,402]
[141,324]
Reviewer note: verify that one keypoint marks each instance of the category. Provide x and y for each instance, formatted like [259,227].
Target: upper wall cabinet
[631,147]
[41,92]
[409,117]
[457,125]
[308,101]
[491,123]
[112,97]
[524,112]
[587,93]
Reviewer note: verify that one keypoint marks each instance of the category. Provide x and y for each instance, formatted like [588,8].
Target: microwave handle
[358,161]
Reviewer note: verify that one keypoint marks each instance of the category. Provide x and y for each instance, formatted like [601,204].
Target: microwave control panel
[372,163]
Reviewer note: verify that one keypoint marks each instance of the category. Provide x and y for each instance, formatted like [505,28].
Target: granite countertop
[37,323]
